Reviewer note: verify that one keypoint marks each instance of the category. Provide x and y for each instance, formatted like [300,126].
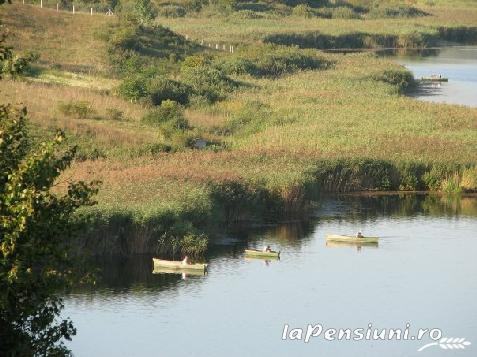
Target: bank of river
[420,273]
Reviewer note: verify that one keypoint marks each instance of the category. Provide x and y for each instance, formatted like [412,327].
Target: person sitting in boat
[267,249]
[186,261]
[359,235]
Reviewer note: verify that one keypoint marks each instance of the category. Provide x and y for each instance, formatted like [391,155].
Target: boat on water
[333,244]
[351,239]
[187,272]
[178,265]
[434,78]
[254,253]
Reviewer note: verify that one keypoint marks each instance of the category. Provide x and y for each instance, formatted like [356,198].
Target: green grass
[280,133]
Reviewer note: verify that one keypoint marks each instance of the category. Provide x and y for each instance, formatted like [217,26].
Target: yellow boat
[177,265]
[261,254]
[333,244]
[351,239]
[161,270]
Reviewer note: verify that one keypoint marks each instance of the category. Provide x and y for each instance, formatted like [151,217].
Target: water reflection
[427,243]
[358,246]
[136,273]
[457,63]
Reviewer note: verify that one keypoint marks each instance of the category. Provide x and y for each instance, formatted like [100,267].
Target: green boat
[351,239]
[177,265]
[434,79]
[254,253]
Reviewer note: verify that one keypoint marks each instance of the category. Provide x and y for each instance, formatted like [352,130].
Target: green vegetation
[187,138]
[34,246]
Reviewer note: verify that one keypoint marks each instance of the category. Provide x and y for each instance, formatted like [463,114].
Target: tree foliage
[35,232]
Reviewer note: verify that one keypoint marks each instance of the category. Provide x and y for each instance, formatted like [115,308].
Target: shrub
[402,79]
[134,87]
[194,245]
[207,82]
[411,176]
[434,177]
[272,61]
[303,10]
[394,12]
[141,12]
[161,89]
[172,11]
[169,114]
[81,109]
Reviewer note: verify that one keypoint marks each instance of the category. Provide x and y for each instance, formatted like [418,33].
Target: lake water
[458,64]
[421,273]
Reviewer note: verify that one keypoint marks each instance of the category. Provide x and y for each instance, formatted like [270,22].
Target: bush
[169,115]
[272,61]
[207,82]
[81,109]
[142,12]
[194,245]
[395,12]
[303,10]
[402,79]
[172,11]
[434,178]
[161,89]
[133,87]
[411,176]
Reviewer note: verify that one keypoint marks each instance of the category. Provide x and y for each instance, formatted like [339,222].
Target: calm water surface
[459,64]
[422,272]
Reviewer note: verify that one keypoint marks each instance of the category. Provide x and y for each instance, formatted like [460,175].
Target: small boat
[161,270]
[333,244]
[177,265]
[434,78]
[351,239]
[261,254]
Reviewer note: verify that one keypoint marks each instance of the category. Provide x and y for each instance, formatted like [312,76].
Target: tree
[140,12]
[35,231]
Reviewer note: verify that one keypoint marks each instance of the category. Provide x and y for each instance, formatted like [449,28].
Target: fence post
[41,4]
[57,7]
[202,42]
[73,9]
[91,11]
[216,46]
[223,47]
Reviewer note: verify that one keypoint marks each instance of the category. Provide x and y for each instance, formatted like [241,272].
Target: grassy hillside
[279,122]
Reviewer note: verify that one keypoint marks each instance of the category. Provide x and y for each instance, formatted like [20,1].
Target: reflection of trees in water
[371,207]
[134,274]
[410,53]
